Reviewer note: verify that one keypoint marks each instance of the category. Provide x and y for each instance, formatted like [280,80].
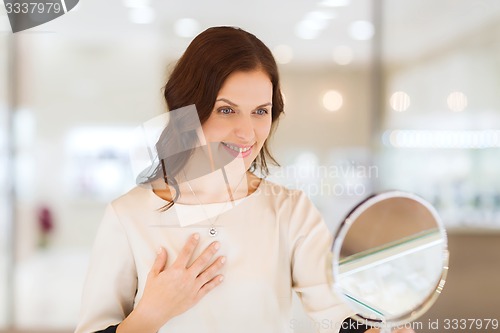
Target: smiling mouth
[236,148]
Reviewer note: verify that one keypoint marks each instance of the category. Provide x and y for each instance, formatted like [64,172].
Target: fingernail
[221,278]
[159,251]
[196,236]
[223,260]
[216,245]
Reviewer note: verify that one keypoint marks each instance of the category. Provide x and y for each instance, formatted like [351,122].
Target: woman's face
[241,119]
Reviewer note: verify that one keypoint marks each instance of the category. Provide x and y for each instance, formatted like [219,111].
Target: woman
[205,245]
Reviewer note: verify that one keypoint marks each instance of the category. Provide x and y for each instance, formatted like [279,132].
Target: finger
[188,250]
[209,273]
[160,261]
[207,287]
[204,258]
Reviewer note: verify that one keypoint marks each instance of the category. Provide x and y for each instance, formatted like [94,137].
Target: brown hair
[203,68]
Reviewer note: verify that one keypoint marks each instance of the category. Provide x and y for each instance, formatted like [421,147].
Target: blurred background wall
[379,95]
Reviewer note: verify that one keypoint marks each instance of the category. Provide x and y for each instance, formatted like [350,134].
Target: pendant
[212,231]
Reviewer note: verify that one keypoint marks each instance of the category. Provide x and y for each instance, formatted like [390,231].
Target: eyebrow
[235,105]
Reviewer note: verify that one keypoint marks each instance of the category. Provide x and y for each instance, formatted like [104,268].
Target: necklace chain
[212,231]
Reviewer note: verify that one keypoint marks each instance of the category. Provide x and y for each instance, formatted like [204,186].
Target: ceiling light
[457,101]
[332,100]
[400,101]
[312,24]
[186,27]
[335,3]
[447,139]
[302,30]
[342,55]
[136,3]
[142,15]
[319,17]
[283,54]
[361,30]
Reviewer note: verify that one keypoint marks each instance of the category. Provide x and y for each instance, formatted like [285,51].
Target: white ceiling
[411,28]
[416,28]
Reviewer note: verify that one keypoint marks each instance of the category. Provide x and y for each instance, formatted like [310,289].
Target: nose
[244,129]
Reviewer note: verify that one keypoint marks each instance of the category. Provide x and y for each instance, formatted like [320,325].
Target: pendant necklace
[212,230]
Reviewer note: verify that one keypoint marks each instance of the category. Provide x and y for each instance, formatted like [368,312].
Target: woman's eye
[261,112]
[226,110]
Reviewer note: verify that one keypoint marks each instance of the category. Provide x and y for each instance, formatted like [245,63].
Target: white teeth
[238,149]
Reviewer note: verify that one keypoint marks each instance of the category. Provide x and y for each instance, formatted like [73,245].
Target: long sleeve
[111,281]
[311,242]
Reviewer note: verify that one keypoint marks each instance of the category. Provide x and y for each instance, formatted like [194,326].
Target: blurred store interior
[383,94]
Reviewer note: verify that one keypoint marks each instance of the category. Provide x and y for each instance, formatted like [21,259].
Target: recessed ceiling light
[136,3]
[332,100]
[335,3]
[361,30]
[142,15]
[312,24]
[400,101]
[186,27]
[304,30]
[320,17]
[457,101]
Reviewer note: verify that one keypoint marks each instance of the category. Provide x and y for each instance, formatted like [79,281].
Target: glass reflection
[389,257]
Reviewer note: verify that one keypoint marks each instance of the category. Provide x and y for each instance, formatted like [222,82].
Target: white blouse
[274,240]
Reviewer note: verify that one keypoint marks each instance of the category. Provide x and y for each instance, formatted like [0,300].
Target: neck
[215,187]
